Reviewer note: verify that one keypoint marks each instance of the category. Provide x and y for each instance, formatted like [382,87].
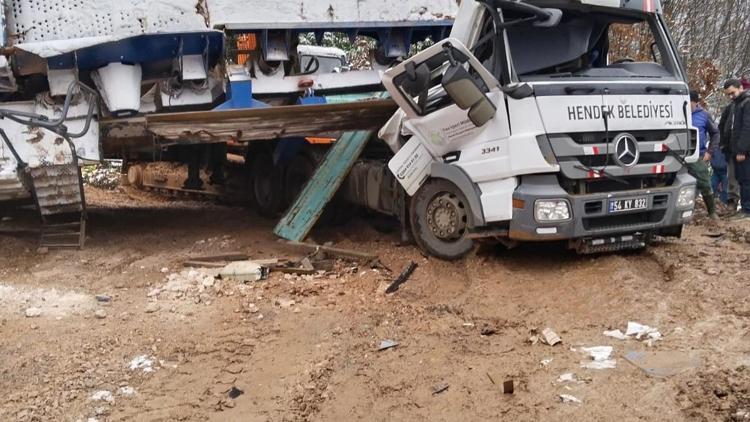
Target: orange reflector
[245,42]
[519,203]
[320,141]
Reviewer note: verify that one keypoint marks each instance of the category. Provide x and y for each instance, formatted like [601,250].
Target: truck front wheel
[440,219]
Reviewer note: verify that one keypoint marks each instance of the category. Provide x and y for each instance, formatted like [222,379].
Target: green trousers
[702,173]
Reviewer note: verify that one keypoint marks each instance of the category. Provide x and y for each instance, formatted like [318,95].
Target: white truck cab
[545,120]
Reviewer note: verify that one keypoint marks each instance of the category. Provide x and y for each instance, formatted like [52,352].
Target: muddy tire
[440,217]
[266,183]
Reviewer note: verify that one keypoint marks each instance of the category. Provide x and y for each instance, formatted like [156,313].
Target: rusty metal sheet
[270,123]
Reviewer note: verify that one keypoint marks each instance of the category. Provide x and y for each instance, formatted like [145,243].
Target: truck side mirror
[462,88]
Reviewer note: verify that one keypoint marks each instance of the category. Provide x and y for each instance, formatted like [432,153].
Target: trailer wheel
[299,171]
[265,184]
[440,217]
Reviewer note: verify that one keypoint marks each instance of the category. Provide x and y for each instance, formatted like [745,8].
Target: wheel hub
[446,217]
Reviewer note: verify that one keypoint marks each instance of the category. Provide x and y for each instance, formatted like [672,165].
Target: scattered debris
[100,314]
[508,387]
[663,364]
[244,271]
[440,388]
[126,391]
[104,175]
[640,331]
[488,331]
[550,337]
[567,377]
[142,362]
[567,398]
[387,344]
[103,395]
[285,303]
[403,278]
[103,298]
[616,334]
[490,377]
[545,362]
[601,358]
[235,392]
[295,270]
[33,312]
[335,252]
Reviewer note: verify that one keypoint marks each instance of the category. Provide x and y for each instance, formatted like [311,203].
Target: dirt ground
[306,348]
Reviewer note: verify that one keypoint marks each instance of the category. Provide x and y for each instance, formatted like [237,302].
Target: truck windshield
[592,44]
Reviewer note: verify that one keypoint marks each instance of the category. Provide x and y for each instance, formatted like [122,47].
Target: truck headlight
[546,211]
[686,197]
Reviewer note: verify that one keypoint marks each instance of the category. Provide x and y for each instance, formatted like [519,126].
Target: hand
[707,157]
[741,158]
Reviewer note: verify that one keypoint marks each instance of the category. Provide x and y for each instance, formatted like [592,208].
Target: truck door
[452,104]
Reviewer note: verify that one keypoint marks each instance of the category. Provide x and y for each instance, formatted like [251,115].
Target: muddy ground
[306,349]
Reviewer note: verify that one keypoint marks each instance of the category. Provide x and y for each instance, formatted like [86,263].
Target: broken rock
[387,344]
[33,312]
[103,395]
[567,398]
[568,377]
[285,303]
[243,271]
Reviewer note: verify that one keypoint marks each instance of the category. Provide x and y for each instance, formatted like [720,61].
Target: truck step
[58,191]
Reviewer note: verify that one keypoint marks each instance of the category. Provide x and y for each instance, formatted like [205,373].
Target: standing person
[720,177]
[708,140]
[735,139]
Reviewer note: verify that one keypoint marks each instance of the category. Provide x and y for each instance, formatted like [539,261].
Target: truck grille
[624,221]
[601,137]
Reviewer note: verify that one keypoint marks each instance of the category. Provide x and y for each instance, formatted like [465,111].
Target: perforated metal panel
[52,20]
[328,11]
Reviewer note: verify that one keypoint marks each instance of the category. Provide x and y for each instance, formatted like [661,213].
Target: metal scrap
[550,337]
[403,278]
[663,364]
[387,344]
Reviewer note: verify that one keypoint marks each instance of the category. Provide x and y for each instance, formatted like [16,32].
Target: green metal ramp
[308,207]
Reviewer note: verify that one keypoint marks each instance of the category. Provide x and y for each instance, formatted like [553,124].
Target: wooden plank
[267,263]
[203,264]
[337,252]
[272,122]
[229,256]
[308,207]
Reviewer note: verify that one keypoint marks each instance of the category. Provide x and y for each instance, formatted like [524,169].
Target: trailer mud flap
[308,207]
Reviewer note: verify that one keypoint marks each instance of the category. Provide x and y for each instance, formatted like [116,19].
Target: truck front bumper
[590,215]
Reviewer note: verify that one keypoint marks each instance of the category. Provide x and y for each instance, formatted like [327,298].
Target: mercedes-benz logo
[627,153]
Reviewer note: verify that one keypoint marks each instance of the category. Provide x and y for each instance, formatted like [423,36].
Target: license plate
[633,204]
